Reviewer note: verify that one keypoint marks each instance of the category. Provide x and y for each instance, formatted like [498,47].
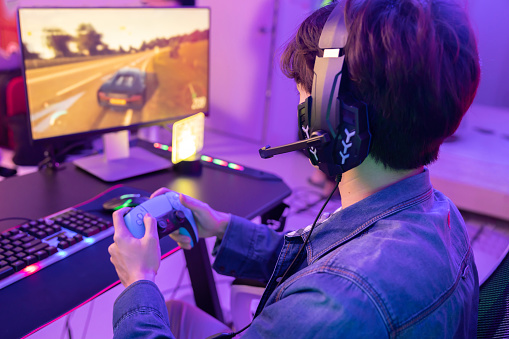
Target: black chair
[493,318]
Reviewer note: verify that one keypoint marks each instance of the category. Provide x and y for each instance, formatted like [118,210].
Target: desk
[53,291]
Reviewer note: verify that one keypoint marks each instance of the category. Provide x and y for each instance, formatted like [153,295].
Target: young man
[396,260]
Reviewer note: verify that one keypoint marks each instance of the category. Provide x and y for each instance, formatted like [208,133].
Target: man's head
[414,62]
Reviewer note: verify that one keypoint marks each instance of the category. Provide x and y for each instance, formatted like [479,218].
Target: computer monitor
[100,70]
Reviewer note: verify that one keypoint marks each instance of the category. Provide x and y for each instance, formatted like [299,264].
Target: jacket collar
[347,223]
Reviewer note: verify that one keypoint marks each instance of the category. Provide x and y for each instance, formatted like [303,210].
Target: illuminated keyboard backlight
[220,162]
[164,147]
[206,158]
[89,240]
[157,145]
[31,269]
[235,167]
[62,253]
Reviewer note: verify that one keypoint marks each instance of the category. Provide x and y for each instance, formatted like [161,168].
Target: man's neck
[369,178]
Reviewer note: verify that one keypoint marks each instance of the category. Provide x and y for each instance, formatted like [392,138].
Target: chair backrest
[15,97]
[493,318]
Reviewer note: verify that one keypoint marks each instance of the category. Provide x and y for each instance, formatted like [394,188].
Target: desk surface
[53,291]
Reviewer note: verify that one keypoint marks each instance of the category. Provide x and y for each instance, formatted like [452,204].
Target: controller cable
[233,334]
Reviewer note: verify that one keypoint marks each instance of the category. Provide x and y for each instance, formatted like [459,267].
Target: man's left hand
[135,259]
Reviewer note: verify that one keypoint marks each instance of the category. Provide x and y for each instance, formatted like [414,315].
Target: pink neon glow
[93,297]
[31,269]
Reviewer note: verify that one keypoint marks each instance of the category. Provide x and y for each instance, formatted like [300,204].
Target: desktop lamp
[187,143]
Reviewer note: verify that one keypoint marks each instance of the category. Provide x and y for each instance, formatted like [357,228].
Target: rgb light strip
[206,158]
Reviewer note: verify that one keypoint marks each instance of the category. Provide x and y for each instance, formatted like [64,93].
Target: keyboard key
[17,236]
[25,227]
[5,241]
[33,230]
[34,249]
[91,231]
[3,263]
[78,237]
[8,247]
[6,271]
[62,237]
[51,250]
[30,259]
[1,257]
[21,255]
[31,243]
[27,239]
[56,228]
[18,265]
[63,244]
[17,249]
[71,241]
[8,253]
[41,234]
[17,243]
[11,259]
[41,254]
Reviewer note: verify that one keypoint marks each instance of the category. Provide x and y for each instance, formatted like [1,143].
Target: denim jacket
[396,264]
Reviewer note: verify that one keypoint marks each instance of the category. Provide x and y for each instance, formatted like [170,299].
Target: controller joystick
[169,213]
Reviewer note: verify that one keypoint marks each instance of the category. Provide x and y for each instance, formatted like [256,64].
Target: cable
[338,180]
[87,322]
[67,327]
[179,283]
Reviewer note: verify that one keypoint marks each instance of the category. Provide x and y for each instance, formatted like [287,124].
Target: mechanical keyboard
[32,246]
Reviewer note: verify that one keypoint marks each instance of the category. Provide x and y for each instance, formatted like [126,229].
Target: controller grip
[174,220]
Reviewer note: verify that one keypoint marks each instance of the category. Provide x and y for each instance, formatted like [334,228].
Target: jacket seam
[392,210]
[354,278]
[439,302]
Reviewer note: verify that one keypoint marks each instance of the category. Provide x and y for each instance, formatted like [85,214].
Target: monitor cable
[233,334]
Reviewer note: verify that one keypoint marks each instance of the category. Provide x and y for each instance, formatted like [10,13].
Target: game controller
[169,214]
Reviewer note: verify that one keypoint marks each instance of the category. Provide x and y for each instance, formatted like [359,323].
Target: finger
[159,191]
[111,249]
[119,223]
[180,238]
[150,226]
[192,204]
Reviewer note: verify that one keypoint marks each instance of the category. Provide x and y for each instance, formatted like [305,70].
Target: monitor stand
[119,161]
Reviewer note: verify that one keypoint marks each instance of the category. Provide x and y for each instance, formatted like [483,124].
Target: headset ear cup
[304,111]
[354,141]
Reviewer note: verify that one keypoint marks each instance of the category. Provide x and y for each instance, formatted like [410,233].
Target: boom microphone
[317,141]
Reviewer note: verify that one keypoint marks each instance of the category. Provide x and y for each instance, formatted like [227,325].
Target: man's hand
[210,223]
[135,259]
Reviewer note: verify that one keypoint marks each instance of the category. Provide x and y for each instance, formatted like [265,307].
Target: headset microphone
[332,122]
[316,141]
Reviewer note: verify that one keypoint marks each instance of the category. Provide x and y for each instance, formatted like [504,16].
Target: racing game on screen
[94,69]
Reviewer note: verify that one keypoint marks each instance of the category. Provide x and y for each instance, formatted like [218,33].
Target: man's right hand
[210,223]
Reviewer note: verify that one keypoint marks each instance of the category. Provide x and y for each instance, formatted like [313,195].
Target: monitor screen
[96,70]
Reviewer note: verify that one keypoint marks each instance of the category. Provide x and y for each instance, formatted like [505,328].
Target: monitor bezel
[97,133]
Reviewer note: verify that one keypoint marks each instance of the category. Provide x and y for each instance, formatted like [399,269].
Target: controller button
[161,224]
[139,222]
[180,216]
[139,215]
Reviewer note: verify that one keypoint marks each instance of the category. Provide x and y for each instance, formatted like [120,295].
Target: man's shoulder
[405,265]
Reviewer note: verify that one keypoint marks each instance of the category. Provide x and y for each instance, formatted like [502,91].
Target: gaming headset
[332,122]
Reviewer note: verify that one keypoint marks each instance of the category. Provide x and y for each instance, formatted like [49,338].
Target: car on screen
[125,89]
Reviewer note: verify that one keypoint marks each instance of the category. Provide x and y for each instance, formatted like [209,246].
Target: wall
[489,19]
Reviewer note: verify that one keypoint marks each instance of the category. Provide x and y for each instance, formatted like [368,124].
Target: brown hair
[414,62]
